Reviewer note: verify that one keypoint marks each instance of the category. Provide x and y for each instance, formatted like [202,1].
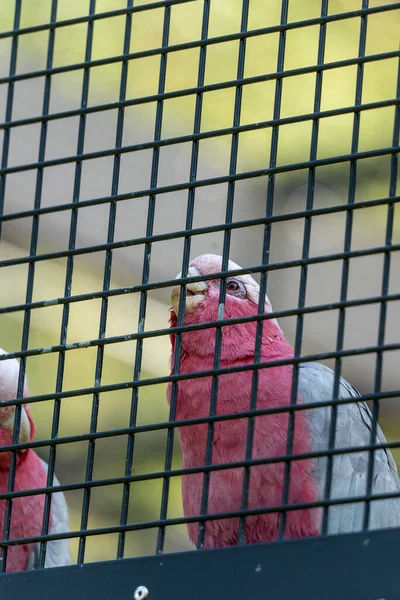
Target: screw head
[141,593]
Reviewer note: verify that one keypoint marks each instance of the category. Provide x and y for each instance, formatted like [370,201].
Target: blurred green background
[335,135]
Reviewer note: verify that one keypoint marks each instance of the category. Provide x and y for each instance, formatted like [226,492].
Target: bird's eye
[232,286]
[235,288]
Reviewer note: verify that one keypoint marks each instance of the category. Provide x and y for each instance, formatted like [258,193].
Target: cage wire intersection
[264,266]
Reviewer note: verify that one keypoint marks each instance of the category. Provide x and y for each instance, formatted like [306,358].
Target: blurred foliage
[301,50]
[342,41]
[335,135]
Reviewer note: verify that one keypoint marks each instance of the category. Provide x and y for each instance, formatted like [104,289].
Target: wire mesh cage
[136,136]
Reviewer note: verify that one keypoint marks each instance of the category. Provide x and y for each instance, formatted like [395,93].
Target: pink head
[9,372]
[202,305]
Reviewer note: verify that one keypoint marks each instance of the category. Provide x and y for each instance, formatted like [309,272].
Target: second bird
[30,474]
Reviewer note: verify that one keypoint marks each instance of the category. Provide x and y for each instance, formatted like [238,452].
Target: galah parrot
[311,431]
[30,474]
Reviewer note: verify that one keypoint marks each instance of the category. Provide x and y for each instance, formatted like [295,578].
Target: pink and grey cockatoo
[30,474]
[311,432]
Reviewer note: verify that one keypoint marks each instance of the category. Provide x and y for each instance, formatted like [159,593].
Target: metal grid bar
[4,162]
[264,275]
[200,231]
[147,252]
[161,332]
[64,326]
[208,88]
[229,37]
[227,178]
[29,291]
[9,107]
[189,45]
[185,265]
[346,263]
[383,308]
[203,468]
[209,517]
[224,267]
[73,230]
[204,134]
[305,256]
[162,143]
[91,18]
[154,193]
[320,356]
[142,313]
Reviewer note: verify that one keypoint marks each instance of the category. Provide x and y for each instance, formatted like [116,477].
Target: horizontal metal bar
[198,43]
[205,88]
[195,184]
[119,12]
[192,470]
[193,232]
[201,518]
[151,427]
[91,18]
[129,337]
[194,375]
[11,262]
[160,332]
[206,134]
[193,137]
[348,566]
[201,230]
[170,283]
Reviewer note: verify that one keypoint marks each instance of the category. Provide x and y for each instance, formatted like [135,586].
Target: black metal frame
[233,573]
[366,563]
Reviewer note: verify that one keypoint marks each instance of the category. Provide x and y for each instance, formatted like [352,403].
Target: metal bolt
[141,592]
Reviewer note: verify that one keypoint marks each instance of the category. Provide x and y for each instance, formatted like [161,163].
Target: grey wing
[57,551]
[349,471]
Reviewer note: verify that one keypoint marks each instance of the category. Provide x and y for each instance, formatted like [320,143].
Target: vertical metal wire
[383,307]
[31,269]
[185,265]
[116,171]
[138,354]
[152,198]
[9,106]
[4,163]
[224,267]
[304,268]
[149,232]
[264,261]
[106,287]
[346,265]
[68,283]
[174,398]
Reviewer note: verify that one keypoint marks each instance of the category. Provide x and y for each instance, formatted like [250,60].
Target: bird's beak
[7,420]
[195,292]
